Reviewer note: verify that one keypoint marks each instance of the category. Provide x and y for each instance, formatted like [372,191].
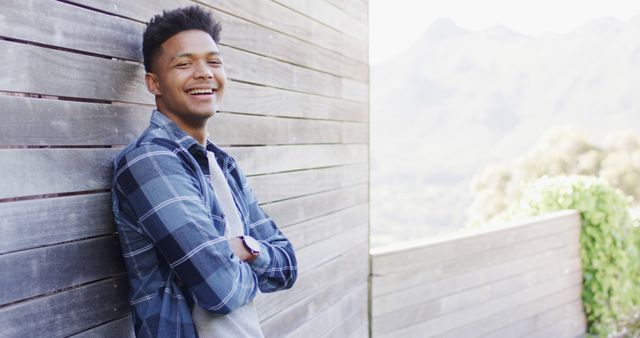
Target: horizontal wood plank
[357,9]
[80,123]
[350,324]
[403,297]
[43,270]
[526,312]
[309,232]
[234,129]
[542,321]
[273,159]
[121,328]
[310,282]
[63,25]
[441,270]
[122,38]
[289,212]
[34,223]
[266,14]
[253,68]
[68,312]
[329,15]
[47,171]
[474,296]
[439,324]
[281,186]
[307,310]
[316,254]
[82,76]
[280,102]
[282,19]
[468,244]
[28,172]
[323,323]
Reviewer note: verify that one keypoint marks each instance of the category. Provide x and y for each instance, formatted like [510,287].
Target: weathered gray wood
[316,254]
[46,171]
[288,212]
[121,328]
[279,102]
[439,324]
[350,324]
[44,270]
[440,270]
[276,187]
[312,231]
[403,296]
[570,326]
[63,25]
[70,74]
[79,123]
[69,123]
[227,129]
[357,9]
[310,282]
[34,223]
[253,68]
[83,76]
[361,332]
[246,35]
[273,159]
[309,308]
[28,172]
[90,31]
[267,14]
[330,16]
[541,321]
[323,323]
[525,312]
[472,297]
[450,247]
[68,312]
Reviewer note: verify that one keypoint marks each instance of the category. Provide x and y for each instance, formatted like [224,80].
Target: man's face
[188,78]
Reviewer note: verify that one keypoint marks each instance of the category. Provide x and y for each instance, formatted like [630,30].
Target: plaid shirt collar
[185,141]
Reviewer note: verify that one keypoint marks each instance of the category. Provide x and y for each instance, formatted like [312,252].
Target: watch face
[252,244]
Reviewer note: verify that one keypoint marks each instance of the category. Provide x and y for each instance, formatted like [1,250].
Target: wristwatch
[251,244]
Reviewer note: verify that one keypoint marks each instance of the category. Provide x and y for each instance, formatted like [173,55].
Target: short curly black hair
[169,23]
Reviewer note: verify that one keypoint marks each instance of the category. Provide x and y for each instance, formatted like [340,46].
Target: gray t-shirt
[242,322]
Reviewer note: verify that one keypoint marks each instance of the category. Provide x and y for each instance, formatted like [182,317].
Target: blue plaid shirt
[171,230]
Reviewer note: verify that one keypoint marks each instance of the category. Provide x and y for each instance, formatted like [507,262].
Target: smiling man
[196,244]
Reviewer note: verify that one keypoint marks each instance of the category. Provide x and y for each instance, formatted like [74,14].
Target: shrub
[609,246]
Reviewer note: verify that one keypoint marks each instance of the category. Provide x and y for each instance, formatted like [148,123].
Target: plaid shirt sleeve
[165,198]
[276,266]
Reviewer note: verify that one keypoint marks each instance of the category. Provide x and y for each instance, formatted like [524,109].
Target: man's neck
[196,130]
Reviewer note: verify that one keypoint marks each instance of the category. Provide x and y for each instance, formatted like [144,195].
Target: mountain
[458,100]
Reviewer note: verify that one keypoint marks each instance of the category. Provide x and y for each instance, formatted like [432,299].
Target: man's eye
[215,62]
[182,64]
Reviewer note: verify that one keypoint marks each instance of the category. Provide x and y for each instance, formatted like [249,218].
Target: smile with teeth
[207,91]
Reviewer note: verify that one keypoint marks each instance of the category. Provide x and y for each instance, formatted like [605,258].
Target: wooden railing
[519,280]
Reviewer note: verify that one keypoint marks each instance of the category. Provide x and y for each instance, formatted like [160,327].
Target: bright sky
[396,24]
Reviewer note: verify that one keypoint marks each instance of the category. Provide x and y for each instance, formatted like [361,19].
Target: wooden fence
[518,281]
[295,116]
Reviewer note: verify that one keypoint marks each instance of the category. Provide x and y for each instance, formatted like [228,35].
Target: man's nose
[203,70]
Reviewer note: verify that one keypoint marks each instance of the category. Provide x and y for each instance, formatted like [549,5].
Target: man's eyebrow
[188,55]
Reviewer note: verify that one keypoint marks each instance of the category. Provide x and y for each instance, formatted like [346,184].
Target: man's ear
[152,84]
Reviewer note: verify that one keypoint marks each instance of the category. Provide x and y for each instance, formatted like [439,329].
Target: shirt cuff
[261,263]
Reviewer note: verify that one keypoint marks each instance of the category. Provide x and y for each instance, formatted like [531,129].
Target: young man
[197,246]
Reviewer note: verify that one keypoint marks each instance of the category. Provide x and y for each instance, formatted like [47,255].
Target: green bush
[609,247]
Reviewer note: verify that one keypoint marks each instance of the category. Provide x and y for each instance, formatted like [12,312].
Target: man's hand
[238,249]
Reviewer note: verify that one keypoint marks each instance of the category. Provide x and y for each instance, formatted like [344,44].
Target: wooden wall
[519,281]
[295,116]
